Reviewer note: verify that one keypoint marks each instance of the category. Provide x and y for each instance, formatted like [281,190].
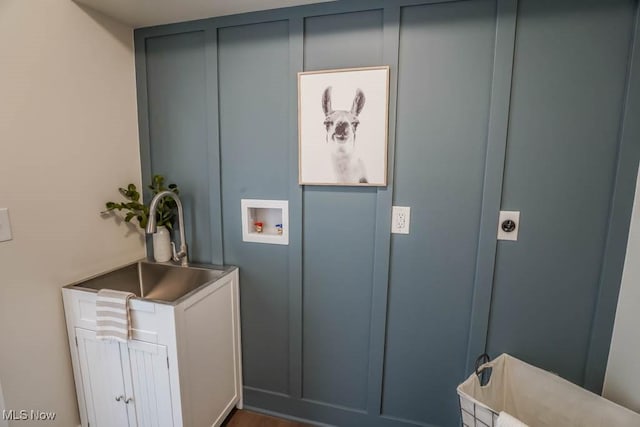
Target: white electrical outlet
[5,225]
[400,219]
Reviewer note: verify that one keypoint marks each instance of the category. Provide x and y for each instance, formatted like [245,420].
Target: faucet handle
[181,256]
[175,254]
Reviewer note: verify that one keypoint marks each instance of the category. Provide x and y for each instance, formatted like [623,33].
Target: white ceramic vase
[162,244]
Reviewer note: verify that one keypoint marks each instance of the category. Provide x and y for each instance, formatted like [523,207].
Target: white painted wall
[3,423]
[622,380]
[68,139]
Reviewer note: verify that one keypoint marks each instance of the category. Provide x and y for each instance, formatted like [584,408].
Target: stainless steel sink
[153,281]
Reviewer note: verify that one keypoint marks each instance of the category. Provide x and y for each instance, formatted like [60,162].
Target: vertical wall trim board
[619,220]
[494,170]
[140,46]
[380,293]
[213,145]
[296,42]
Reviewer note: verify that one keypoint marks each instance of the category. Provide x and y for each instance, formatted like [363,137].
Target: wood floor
[242,418]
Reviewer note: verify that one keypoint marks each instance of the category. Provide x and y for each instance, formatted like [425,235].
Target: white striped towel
[113,320]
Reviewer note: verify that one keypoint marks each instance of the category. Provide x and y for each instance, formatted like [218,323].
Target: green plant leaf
[166,209]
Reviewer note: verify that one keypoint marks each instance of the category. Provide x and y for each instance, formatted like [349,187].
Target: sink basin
[153,281]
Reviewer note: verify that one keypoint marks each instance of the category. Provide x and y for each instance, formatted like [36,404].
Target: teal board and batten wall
[516,104]
[439,172]
[566,108]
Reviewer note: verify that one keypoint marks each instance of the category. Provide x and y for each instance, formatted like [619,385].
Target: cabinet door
[102,380]
[149,384]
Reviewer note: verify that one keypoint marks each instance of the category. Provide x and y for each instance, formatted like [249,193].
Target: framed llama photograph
[343,119]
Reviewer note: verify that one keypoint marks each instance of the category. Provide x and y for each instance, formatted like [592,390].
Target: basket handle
[483,370]
[481,360]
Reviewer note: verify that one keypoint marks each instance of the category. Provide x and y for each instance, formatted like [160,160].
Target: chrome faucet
[151,225]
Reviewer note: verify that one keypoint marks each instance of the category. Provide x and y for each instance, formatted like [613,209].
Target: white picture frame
[343,126]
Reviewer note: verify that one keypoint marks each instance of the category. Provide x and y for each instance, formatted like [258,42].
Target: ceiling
[145,13]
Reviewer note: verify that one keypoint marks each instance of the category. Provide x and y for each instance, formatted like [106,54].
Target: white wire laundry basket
[536,397]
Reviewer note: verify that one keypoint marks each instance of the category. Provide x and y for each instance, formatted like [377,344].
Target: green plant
[165,214]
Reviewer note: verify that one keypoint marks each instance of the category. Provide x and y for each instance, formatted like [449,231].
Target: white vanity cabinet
[102,379]
[181,368]
[124,384]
